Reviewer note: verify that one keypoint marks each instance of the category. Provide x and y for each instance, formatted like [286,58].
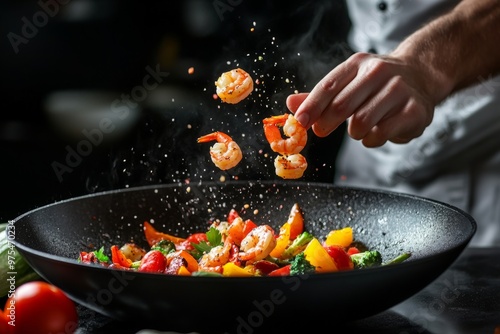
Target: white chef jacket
[457,158]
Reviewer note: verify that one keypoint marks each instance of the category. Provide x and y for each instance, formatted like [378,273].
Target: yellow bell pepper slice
[317,255]
[231,269]
[342,237]
[282,240]
[183,271]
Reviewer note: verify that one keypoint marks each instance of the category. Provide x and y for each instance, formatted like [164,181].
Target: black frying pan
[51,238]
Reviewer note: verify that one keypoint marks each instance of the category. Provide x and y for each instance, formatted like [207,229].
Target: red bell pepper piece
[283,271]
[118,258]
[249,225]
[340,256]
[232,215]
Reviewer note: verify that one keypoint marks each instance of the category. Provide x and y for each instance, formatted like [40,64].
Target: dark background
[105,46]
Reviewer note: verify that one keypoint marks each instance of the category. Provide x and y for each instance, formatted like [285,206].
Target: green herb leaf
[202,247]
[99,254]
[214,237]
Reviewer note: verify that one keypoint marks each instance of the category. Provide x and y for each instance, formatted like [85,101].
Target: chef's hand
[383,98]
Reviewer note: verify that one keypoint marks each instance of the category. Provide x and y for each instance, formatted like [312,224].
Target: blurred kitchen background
[96,95]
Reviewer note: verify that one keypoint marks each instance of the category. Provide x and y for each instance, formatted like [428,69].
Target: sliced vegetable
[317,255]
[282,240]
[296,221]
[283,271]
[342,237]
[231,269]
[118,258]
[340,257]
[298,245]
[153,236]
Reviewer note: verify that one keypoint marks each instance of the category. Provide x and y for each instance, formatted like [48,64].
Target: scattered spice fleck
[191,70]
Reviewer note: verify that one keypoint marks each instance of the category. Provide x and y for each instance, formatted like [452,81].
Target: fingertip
[303,119]
[293,101]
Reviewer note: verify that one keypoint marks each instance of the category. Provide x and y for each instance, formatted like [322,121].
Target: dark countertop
[465,299]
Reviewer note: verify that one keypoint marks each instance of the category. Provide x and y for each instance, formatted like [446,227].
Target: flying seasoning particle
[191,70]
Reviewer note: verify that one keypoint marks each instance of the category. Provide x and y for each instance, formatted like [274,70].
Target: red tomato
[154,262]
[341,258]
[5,328]
[41,308]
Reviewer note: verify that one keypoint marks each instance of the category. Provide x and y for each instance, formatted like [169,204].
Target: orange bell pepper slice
[317,255]
[296,221]
[341,237]
[153,236]
[191,263]
[119,258]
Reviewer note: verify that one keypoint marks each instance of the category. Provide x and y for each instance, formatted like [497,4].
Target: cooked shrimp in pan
[257,244]
[290,166]
[296,133]
[216,257]
[234,86]
[225,153]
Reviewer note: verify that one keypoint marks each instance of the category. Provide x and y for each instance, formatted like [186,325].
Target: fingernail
[302,119]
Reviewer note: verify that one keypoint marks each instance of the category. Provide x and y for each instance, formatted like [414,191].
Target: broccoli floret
[164,246]
[301,266]
[367,259]
[297,245]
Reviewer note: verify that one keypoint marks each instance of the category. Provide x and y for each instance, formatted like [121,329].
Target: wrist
[427,69]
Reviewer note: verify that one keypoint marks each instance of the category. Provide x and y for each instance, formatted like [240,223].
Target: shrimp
[225,153]
[216,257]
[296,133]
[234,86]
[235,230]
[290,166]
[257,244]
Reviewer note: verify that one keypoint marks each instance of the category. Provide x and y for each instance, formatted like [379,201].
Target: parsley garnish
[214,238]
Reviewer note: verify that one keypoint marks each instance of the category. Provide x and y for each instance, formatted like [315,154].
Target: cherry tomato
[4,325]
[41,308]
[154,262]
[340,256]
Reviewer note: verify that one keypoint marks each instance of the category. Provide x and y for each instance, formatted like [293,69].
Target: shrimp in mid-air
[234,86]
[225,153]
[290,166]
[257,244]
[296,133]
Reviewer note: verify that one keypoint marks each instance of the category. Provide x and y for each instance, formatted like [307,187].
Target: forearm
[457,49]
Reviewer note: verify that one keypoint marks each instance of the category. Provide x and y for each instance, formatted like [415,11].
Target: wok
[51,237]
